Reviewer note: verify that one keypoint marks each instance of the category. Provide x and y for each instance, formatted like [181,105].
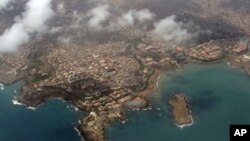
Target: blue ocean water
[53,121]
[218,94]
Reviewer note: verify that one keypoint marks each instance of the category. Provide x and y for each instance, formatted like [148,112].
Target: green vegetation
[43,75]
[36,56]
[39,77]
[1,62]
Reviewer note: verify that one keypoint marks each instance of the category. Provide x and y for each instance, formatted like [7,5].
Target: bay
[218,94]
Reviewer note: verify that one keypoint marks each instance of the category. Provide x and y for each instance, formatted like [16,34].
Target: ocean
[218,95]
[53,121]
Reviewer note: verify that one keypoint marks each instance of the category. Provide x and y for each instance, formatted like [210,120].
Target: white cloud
[170,30]
[37,12]
[13,37]
[129,18]
[144,15]
[98,16]
[4,3]
[65,40]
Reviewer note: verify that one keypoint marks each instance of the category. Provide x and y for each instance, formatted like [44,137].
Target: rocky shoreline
[8,81]
[93,126]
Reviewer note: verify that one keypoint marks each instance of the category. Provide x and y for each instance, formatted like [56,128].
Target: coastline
[152,84]
[151,87]
[186,125]
[18,103]
[79,133]
[10,81]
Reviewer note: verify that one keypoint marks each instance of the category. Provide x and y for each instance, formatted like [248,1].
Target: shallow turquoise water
[219,96]
[53,121]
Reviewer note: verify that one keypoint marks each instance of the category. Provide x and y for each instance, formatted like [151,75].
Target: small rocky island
[181,111]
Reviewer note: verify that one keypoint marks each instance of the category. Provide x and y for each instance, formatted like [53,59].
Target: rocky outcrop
[136,103]
[181,112]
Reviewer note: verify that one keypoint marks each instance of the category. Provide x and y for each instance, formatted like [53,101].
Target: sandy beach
[152,84]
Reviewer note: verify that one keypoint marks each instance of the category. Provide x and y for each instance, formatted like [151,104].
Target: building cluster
[108,103]
[238,48]
[241,59]
[215,50]
[155,53]
[245,58]
[115,70]
[12,63]
[106,62]
[206,52]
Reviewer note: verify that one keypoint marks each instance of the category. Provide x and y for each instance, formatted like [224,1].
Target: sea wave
[1,86]
[31,108]
[79,133]
[76,109]
[15,102]
[187,125]
[124,121]
[72,107]
[158,81]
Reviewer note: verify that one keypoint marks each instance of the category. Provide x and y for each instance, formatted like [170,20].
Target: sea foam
[187,125]
[79,133]
[1,86]
[31,108]
[15,102]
